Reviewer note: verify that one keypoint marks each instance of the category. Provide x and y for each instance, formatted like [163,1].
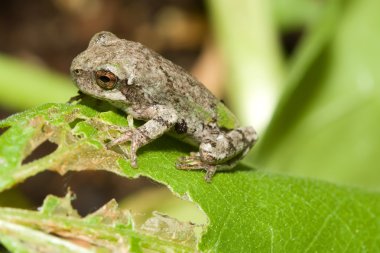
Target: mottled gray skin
[151,88]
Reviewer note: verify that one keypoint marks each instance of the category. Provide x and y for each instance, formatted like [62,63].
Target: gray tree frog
[151,88]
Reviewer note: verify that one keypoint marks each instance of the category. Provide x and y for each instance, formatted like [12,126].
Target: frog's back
[183,91]
[187,92]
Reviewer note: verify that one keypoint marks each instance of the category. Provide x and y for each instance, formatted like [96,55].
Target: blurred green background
[305,73]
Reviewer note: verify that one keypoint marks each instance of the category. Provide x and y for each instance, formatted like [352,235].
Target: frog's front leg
[159,120]
[220,151]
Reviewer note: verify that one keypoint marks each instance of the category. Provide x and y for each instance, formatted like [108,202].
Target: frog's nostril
[77,71]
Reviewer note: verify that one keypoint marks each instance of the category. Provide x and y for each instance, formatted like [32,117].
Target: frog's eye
[105,79]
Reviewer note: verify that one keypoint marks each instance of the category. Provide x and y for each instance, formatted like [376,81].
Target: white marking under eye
[114,96]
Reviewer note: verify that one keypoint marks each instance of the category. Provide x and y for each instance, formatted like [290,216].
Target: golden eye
[105,79]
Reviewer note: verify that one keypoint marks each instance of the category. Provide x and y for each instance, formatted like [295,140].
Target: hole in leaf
[13,198]
[142,196]
[92,189]
[75,122]
[42,150]
[36,188]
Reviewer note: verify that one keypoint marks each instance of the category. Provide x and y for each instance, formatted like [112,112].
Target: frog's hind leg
[194,162]
[220,152]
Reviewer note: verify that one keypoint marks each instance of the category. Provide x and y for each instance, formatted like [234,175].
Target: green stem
[247,35]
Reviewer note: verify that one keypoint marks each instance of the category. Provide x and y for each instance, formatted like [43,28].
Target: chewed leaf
[109,229]
[59,206]
[247,210]
[169,228]
[112,215]
[72,128]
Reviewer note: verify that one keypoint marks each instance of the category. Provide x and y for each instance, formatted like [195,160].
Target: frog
[166,98]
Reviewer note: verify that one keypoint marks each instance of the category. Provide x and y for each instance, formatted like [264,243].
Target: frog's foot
[130,135]
[190,162]
[76,98]
[125,137]
[194,162]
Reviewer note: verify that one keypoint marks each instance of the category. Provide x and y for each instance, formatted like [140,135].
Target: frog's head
[101,70]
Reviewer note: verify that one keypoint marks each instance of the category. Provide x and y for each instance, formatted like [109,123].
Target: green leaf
[247,210]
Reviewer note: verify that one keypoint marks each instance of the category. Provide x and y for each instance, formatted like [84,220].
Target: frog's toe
[126,136]
[210,172]
[193,162]
[133,160]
